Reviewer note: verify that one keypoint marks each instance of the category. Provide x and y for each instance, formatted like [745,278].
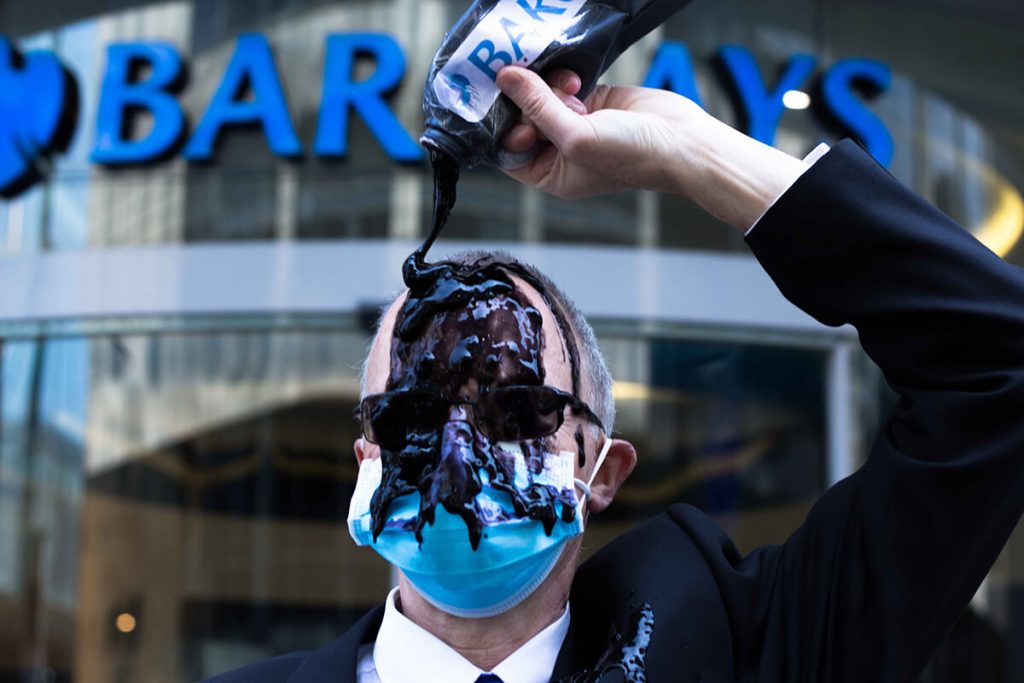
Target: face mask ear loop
[585,486]
[367,483]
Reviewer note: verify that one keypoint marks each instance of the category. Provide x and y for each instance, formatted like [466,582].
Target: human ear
[364,449]
[617,467]
[360,449]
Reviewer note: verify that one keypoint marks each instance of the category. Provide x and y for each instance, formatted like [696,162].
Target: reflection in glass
[41,481]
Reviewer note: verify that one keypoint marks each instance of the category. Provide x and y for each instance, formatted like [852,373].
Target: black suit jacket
[887,559]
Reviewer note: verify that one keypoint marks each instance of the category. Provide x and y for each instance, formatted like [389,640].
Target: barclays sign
[38,108]
[39,101]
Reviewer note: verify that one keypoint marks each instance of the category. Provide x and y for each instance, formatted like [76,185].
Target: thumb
[539,103]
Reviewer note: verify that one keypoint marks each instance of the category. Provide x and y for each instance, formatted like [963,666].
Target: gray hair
[596,381]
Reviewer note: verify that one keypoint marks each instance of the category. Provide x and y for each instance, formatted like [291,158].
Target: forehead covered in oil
[488,340]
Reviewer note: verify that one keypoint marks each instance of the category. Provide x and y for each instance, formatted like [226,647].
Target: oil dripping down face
[462,331]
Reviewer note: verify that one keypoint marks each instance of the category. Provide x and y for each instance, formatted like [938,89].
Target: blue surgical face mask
[515,555]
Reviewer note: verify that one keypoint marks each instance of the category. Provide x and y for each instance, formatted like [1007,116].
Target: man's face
[505,340]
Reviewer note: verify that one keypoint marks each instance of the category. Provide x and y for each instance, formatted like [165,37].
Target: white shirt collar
[406,653]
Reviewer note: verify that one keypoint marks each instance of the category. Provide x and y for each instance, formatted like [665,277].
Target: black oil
[462,329]
[626,655]
[582,458]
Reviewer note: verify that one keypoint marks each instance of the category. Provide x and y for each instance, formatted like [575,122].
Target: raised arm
[889,558]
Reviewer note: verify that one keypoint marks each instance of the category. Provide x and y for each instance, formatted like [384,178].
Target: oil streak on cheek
[579,446]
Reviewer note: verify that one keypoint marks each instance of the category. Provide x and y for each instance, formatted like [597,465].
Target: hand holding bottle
[629,138]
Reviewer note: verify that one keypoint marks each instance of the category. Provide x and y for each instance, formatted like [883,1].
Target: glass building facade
[180,342]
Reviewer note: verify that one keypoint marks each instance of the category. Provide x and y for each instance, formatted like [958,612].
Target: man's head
[562,319]
[503,328]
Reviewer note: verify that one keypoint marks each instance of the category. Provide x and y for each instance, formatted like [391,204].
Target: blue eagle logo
[38,113]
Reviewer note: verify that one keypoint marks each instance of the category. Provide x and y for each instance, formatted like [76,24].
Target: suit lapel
[586,638]
[570,660]
[336,662]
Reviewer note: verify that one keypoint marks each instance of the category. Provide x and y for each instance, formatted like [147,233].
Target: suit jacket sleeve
[890,557]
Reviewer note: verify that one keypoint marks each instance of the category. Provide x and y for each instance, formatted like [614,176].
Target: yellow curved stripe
[1003,228]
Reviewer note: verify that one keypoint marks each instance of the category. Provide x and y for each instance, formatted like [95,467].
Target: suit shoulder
[682,532]
[652,541]
[276,670]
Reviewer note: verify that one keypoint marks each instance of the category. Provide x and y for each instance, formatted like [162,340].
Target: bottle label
[513,32]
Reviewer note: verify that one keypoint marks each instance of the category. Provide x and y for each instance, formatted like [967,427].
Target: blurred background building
[181,337]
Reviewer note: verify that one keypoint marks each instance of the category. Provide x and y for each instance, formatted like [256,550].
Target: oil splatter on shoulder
[626,654]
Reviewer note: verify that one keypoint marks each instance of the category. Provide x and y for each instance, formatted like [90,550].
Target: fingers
[522,137]
[565,80]
[555,117]
[615,97]
[537,171]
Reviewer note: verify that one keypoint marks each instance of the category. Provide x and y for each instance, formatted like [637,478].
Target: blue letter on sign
[341,95]
[852,117]
[672,69]
[119,96]
[252,64]
[763,109]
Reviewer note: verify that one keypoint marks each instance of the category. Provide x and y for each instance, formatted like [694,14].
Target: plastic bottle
[466,114]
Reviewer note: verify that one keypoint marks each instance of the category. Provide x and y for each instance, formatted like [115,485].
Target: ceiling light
[796,99]
[125,622]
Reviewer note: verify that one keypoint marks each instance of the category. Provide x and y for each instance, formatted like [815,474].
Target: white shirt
[406,653]
[809,160]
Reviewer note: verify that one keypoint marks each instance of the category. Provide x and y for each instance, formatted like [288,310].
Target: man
[864,590]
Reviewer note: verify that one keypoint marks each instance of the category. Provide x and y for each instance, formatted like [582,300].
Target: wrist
[730,175]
